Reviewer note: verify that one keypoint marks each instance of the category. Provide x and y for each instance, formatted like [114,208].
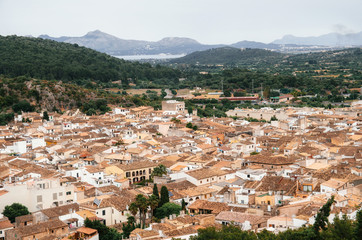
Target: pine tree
[183,204]
[45,115]
[358,225]
[155,191]
[164,196]
[321,220]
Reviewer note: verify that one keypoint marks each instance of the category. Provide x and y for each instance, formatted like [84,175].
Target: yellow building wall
[265,200]
[113,170]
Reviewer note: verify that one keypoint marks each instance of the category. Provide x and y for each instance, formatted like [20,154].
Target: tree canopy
[15,210]
[47,59]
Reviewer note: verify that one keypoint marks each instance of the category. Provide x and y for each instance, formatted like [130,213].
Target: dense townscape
[180,120]
[141,173]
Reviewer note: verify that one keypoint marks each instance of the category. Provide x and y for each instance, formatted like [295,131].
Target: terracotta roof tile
[4,224]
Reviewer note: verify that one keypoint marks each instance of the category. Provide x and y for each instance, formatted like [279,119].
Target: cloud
[342,29]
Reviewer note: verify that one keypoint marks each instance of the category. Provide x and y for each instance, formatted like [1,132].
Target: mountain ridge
[116,46]
[112,45]
[330,39]
[228,55]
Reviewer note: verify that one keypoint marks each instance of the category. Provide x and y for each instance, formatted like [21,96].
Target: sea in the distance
[156,56]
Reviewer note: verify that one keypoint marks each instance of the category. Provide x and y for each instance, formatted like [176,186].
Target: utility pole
[252,86]
[261,93]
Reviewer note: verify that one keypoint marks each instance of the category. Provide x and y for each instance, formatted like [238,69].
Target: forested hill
[350,58]
[47,59]
[230,55]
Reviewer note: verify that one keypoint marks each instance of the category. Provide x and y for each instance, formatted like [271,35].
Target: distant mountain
[102,42]
[331,39]
[115,46]
[229,55]
[252,44]
[112,45]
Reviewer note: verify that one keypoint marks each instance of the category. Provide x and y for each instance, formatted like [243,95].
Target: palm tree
[153,202]
[133,208]
[142,204]
[131,220]
[159,171]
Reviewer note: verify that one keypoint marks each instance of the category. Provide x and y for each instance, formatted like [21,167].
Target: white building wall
[242,198]
[325,189]
[20,147]
[27,194]
[37,142]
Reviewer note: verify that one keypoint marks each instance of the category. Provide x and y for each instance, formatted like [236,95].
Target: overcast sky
[207,21]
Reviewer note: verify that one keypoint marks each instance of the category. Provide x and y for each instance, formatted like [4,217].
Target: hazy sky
[208,21]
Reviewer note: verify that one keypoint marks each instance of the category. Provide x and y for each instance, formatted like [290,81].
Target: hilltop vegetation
[273,61]
[230,56]
[38,74]
[330,73]
[47,59]
[28,94]
[50,60]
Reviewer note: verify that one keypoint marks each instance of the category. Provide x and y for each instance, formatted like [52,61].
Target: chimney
[161,233]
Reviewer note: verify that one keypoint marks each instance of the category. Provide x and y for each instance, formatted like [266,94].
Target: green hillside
[230,56]
[29,94]
[47,59]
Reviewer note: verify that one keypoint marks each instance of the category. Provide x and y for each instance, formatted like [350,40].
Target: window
[103,212]
[55,196]
[307,188]
[68,193]
[39,198]
[128,174]
[60,194]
